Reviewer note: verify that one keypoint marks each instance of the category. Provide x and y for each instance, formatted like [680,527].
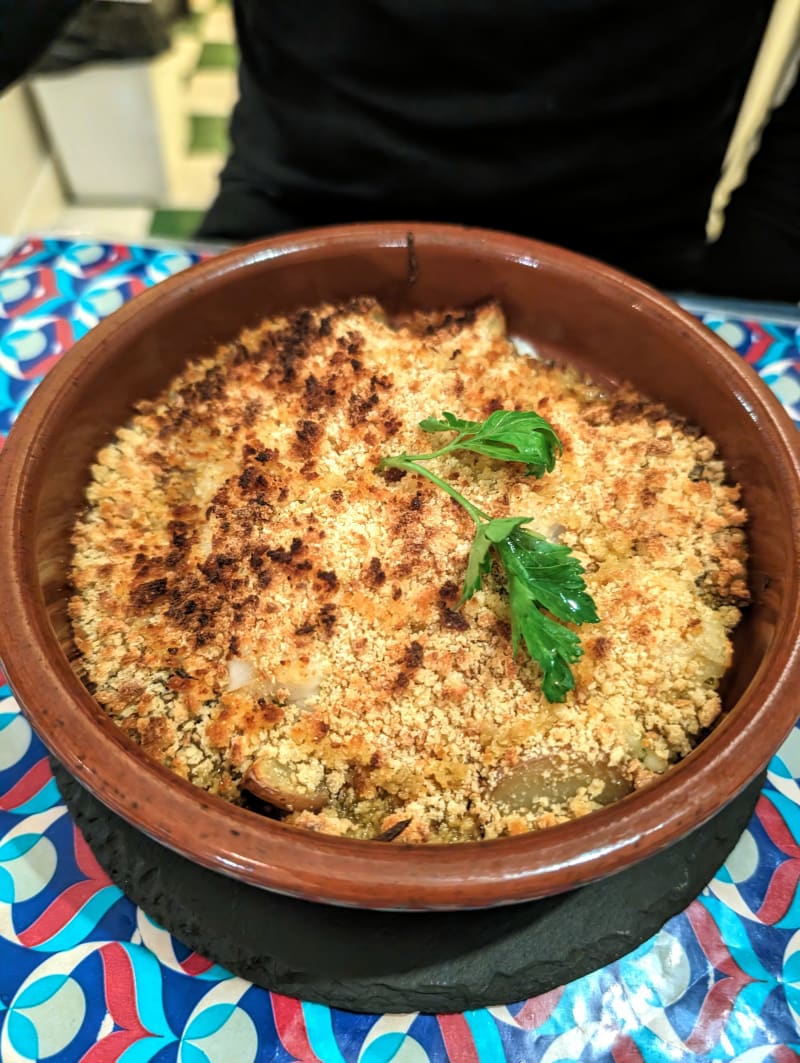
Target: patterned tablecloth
[86,976]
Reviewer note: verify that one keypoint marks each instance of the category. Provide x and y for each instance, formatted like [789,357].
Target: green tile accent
[209,132]
[178,224]
[218,55]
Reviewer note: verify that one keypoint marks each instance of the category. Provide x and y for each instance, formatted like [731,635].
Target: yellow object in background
[774,74]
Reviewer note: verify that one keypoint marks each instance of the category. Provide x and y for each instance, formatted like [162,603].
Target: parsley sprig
[509,435]
[544,580]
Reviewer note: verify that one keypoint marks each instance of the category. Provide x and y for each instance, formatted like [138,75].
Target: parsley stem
[404,461]
[447,449]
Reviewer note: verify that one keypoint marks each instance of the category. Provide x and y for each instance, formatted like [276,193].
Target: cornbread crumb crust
[255,603]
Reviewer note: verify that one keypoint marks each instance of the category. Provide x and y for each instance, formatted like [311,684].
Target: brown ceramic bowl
[572,309]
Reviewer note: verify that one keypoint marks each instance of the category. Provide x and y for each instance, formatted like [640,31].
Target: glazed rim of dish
[269,854]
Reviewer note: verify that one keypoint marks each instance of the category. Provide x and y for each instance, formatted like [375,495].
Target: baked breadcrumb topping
[266,614]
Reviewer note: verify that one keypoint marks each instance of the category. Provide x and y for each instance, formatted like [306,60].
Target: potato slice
[277,784]
[298,682]
[544,780]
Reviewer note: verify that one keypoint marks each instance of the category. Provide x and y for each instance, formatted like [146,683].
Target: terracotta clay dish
[570,309]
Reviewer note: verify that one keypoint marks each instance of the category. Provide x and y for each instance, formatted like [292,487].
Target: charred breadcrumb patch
[413,655]
[393,476]
[375,576]
[247,590]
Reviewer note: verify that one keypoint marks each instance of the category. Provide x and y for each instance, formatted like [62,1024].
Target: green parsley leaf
[552,646]
[552,573]
[545,575]
[480,561]
[507,435]
[448,423]
[501,527]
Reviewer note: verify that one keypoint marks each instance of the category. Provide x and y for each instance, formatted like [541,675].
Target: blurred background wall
[121,130]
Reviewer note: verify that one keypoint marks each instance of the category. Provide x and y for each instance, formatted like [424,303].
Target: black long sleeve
[27,27]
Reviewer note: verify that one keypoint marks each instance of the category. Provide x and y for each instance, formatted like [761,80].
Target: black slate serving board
[397,962]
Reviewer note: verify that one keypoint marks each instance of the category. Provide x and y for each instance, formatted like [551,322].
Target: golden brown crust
[248,587]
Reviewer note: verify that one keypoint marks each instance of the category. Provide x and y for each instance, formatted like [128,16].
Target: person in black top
[596,124]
